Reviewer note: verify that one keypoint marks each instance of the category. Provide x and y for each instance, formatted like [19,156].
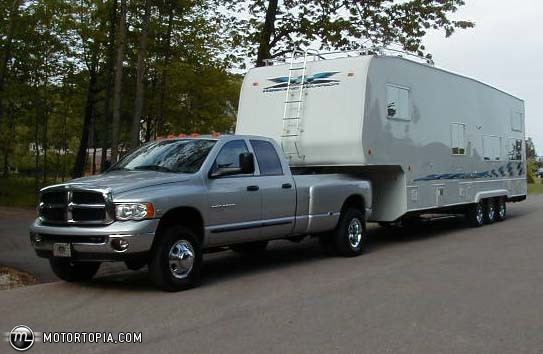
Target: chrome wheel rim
[355,233]
[479,214]
[491,212]
[502,210]
[181,259]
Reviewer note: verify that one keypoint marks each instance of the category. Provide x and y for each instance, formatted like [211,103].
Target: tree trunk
[7,53]
[140,77]
[45,120]
[79,168]
[118,84]
[109,80]
[264,48]
[167,48]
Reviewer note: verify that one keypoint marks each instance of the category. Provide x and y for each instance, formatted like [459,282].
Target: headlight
[134,211]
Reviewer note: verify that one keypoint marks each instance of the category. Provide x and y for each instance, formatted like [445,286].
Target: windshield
[181,156]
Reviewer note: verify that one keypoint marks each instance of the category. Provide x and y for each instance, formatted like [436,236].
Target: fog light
[35,237]
[119,244]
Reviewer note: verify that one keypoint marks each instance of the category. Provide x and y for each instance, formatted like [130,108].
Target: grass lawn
[536,188]
[18,192]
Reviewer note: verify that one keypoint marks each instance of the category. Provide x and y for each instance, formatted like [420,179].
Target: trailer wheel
[501,209]
[176,260]
[70,271]
[476,215]
[350,237]
[490,211]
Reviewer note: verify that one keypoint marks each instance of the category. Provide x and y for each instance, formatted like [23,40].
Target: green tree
[275,27]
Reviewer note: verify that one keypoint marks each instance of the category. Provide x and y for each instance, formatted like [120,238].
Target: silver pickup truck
[170,201]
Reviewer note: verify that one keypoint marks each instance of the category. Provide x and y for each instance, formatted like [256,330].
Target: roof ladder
[292,112]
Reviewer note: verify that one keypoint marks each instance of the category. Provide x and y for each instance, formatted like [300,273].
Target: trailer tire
[350,235]
[176,259]
[70,271]
[501,209]
[490,211]
[476,215]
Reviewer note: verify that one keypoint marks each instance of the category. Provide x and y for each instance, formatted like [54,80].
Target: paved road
[443,288]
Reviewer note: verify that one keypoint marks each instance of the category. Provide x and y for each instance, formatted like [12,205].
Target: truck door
[235,202]
[278,192]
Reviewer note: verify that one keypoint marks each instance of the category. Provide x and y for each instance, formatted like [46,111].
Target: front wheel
[176,260]
[68,270]
[349,238]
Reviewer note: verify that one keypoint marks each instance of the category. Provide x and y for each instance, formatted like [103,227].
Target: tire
[70,271]
[176,259]
[250,248]
[476,215]
[349,237]
[490,211]
[501,209]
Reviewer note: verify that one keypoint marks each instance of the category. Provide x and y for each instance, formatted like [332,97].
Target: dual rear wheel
[349,238]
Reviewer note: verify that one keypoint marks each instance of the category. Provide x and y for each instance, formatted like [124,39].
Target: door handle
[253,188]
[286,186]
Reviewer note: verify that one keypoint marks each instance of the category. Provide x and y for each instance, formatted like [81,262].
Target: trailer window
[516,121]
[515,149]
[458,133]
[492,148]
[397,102]
[267,158]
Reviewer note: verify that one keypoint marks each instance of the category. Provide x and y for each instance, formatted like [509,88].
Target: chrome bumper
[95,243]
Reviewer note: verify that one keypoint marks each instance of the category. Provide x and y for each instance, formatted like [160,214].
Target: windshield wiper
[154,168]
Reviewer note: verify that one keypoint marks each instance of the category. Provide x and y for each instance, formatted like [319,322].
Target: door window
[267,158]
[229,155]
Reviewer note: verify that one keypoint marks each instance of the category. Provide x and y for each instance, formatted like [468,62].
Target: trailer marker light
[182,135]
[255,83]
[350,74]
[194,135]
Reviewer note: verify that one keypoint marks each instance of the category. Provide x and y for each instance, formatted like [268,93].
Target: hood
[123,181]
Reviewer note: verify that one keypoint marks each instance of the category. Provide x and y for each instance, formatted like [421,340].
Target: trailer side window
[458,133]
[397,102]
[516,121]
[267,158]
[515,149]
[492,148]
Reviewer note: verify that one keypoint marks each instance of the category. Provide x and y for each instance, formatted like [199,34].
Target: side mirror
[247,163]
[246,167]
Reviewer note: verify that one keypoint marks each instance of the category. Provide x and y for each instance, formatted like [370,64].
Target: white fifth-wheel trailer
[427,139]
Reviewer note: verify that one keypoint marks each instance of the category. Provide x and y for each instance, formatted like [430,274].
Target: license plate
[62,250]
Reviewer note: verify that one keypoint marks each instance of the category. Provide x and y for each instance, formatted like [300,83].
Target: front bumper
[98,242]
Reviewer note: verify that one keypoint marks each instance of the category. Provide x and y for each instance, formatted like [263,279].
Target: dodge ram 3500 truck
[169,201]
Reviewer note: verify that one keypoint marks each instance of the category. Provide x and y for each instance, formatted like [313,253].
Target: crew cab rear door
[235,201]
[278,191]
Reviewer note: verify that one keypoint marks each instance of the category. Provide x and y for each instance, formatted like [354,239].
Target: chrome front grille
[75,206]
